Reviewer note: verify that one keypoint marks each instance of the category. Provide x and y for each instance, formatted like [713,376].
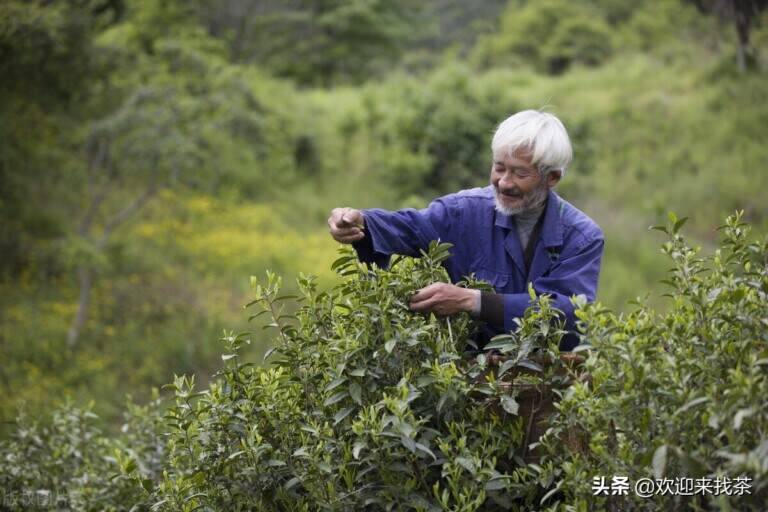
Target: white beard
[530,201]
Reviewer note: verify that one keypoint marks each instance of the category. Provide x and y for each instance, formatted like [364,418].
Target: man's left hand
[444,299]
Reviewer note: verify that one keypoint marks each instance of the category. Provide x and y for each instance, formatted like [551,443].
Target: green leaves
[437,252]
[343,413]
[355,392]
[676,393]
[342,264]
[503,343]
[673,226]
[338,397]
[659,461]
[365,380]
[371,405]
[692,403]
[509,404]
[741,415]
[335,383]
[408,443]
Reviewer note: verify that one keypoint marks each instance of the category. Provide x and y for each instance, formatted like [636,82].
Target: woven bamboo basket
[536,401]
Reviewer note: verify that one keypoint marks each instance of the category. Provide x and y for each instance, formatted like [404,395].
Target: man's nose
[508,180]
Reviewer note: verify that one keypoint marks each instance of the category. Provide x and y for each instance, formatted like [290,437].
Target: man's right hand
[346,225]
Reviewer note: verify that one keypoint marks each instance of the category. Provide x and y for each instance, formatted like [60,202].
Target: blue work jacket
[566,258]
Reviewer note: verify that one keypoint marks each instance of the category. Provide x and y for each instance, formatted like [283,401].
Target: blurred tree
[616,12]
[233,21]
[102,105]
[549,35]
[183,103]
[580,39]
[446,24]
[431,135]
[47,66]
[150,143]
[744,14]
[315,42]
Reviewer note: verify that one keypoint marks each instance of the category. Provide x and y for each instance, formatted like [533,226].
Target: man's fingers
[425,293]
[421,295]
[352,217]
[424,305]
[431,305]
[439,298]
[337,216]
[348,239]
[345,225]
[346,233]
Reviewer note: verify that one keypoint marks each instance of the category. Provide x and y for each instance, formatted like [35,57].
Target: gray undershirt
[525,221]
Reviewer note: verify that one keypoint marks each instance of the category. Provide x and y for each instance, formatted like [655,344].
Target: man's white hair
[540,133]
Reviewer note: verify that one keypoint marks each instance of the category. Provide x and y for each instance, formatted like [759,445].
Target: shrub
[678,395]
[69,464]
[368,405]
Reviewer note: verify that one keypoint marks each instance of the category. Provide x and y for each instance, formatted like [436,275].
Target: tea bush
[69,464]
[367,405]
[678,395]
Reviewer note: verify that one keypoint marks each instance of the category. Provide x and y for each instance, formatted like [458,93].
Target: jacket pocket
[498,280]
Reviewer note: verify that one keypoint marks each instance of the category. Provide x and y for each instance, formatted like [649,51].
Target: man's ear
[553,178]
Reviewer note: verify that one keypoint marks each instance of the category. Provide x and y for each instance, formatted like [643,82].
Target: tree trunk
[238,42]
[3,376]
[743,50]
[84,271]
[85,281]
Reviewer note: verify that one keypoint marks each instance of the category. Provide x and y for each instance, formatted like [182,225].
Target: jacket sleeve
[406,231]
[575,274]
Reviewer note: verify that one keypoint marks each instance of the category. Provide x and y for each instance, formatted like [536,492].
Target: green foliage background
[250,139]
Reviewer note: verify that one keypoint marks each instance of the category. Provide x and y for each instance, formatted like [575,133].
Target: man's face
[517,184]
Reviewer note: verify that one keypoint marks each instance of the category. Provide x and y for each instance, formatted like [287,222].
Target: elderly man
[513,232]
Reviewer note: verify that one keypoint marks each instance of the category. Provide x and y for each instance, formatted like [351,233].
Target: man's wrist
[473,302]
